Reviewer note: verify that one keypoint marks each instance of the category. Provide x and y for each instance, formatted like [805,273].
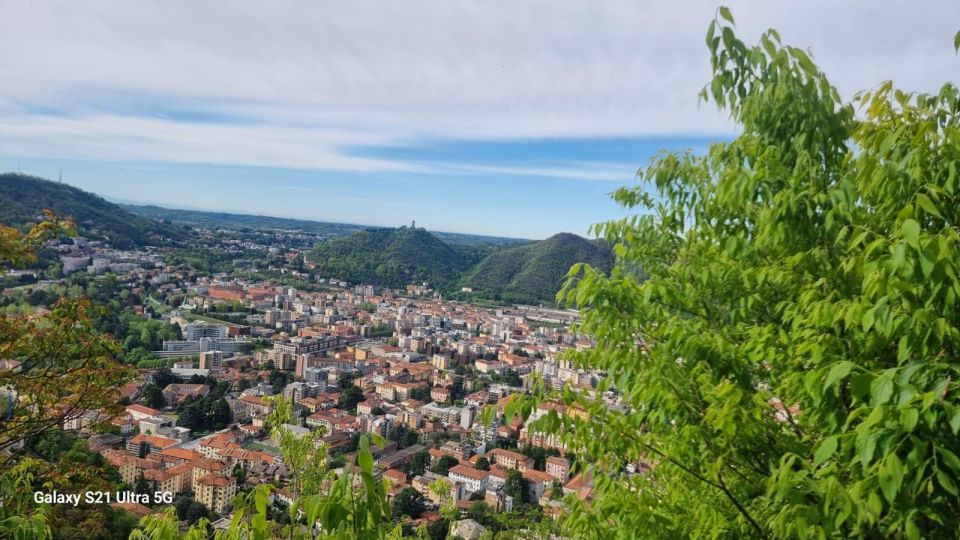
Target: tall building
[195,331]
[211,360]
[467,416]
[315,375]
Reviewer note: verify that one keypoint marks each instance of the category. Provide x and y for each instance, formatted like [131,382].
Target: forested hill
[393,258]
[23,198]
[533,273]
[528,273]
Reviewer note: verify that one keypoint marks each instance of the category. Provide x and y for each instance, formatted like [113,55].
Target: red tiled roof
[469,472]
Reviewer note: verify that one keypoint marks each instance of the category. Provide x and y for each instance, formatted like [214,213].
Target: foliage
[482,464]
[22,198]
[444,464]
[350,397]
[67,368]
[210,412]
[153,396]
[418,464]
[539,455]
[515,486]
[390,257]
[479,511]
[65,465]
[409,502]
[787,368]
[280,379]
[140,336]
[511,378]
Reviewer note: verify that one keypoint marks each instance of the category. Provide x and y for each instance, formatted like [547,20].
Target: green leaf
[868,319]
[944,480]
[837,373]
[912,531]
[891,477]
[928,205]
[825,451]
[881,389]
[908,418]
[956,42]
[726,15]
[955,421]
[911,233]
[860,384]
[950,459]
[874,504]
[866,452]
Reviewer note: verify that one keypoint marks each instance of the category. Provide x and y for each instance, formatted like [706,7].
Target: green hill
[392,258]
[23,198]
[533,273]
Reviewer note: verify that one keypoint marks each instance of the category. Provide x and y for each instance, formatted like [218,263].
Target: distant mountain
[224,220]
[533,273]
[393,258]
[23,198]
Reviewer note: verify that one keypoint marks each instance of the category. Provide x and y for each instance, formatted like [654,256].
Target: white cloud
[311,80]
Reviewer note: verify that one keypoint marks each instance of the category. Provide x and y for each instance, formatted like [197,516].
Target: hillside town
[429,378]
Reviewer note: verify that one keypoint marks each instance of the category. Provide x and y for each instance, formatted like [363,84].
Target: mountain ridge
[24,197]
[535,272]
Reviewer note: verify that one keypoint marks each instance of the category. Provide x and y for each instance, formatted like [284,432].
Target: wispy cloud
[593,172]
[281,84]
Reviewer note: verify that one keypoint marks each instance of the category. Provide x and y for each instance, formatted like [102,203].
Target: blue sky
[491,117]
[457,195]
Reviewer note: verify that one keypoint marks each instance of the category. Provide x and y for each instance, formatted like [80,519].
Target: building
[211,360]
[195,331]
[470,480]
[145,445]
[538,482]
[558,467]
[508,459]
[174,393]
[315,375]
[225,292]
[215,492]
[440,394]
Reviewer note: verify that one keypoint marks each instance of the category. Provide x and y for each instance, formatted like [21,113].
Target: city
[479,270]
[404,365]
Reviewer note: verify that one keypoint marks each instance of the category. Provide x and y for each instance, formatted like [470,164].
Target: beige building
[508,459]
[215,492]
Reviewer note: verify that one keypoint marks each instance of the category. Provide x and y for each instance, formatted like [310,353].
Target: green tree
[444,464]
[349,397]
[515,486]
[482,464]
[419,463]
[195,512]
[479,511]
[142,486]
[781,323]
[66,367]
[181,506]
[409,502]
[438,530]
[408,438]
[153,396]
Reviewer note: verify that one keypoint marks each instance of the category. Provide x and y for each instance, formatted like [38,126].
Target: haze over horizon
[485,118]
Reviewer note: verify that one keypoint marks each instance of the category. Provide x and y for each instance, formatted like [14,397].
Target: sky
[488,117]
